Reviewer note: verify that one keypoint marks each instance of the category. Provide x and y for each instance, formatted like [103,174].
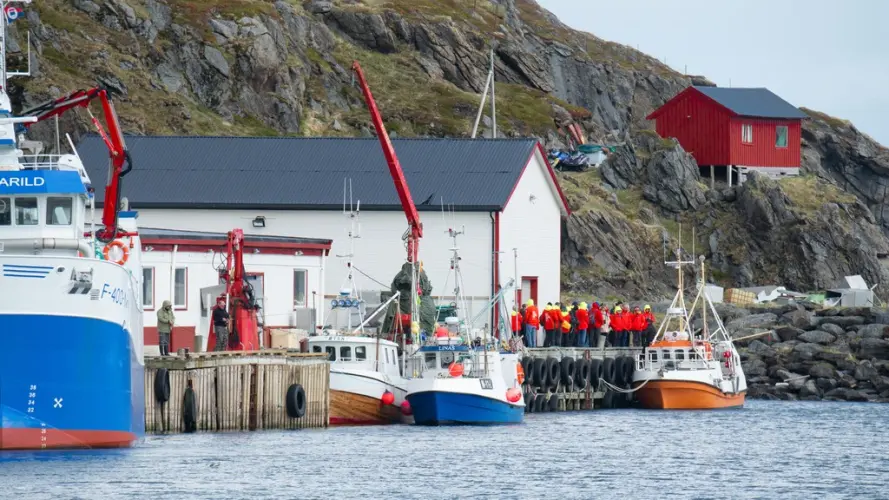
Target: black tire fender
[568,368]
[595,373]
[552,404]
[539,403]
[540,377]
[582,373]
[608,400]
[608,370]
[296,401]
[162,385]
[190,410]
[629,367]
[553,369]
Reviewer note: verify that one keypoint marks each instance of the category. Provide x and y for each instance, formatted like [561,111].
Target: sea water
[766,450]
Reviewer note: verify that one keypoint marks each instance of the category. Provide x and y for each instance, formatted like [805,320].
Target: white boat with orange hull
[686,370]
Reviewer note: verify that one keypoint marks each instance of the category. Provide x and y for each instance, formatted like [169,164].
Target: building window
[58,211]
[26,212]
[148,287]
[747,133]
[5,211]
[180,288]
[781,136]
[300,283]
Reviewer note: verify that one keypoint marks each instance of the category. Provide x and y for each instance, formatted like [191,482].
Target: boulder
[883,366]
[826,384]
[801,318]
[845,394]
[846,380]
[673,180]
[810,390]
[873,348]
[759,321]
[817,337]
[835,330]
[807,351]
[865,371]
[823,370]
[843,321]
[759,348]
[875,331]
[754,367]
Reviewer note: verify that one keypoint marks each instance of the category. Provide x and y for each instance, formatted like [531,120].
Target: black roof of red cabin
[747,102]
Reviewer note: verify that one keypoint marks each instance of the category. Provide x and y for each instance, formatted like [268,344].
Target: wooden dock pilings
[240,390]
[555,380]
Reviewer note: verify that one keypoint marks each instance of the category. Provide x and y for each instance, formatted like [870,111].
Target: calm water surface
[767,450]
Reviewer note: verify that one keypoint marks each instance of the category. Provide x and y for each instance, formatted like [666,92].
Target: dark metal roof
[755,102]
[175,234]
[308,173]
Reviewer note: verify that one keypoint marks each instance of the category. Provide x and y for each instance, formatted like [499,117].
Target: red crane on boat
[415,227]
[243,331]
[121,162]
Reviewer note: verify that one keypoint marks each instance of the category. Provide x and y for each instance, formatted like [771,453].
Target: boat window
[316,348]
[666,354]
[5,212]
[430,361]
[58,211]
[446,359]
[331,352]
[26,212]
[346,353]
[680,355]
[653,355]
[360,353]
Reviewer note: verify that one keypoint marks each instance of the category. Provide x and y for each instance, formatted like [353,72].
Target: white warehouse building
[503,193]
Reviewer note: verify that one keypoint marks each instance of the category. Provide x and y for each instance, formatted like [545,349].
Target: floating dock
[569,378]
[236,391]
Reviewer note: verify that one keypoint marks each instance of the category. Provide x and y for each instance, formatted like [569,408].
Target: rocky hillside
[246,67]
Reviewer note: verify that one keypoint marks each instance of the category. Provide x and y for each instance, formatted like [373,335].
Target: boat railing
[652,360]
[43,162]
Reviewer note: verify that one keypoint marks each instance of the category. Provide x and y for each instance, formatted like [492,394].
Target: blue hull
[442,408]
[68,382]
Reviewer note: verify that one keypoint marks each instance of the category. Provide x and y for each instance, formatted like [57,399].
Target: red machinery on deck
[243,332]
[415,227]
[121,163]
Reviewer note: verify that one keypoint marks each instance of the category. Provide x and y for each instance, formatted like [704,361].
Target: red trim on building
[552,174]
[263,246]
[219,248]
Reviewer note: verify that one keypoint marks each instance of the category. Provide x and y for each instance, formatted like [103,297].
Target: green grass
[809,194]
[830,120]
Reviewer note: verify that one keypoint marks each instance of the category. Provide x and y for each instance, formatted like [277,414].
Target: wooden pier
[556,381]
[237,391]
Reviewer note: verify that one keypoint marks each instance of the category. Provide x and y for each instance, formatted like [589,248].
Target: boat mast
[705,334]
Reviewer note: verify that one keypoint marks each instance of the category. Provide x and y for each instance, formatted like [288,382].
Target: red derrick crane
[121,163]
[242,307]
[415,227]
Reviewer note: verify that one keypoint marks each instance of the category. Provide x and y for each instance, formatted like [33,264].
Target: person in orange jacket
[583,324]
[598,323]
[650,330]
[546,320]
[565,322]
[638,326]
[556,315]
[618,327]
[532,324]
[516,320]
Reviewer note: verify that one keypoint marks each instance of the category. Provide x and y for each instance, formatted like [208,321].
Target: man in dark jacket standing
[220,326]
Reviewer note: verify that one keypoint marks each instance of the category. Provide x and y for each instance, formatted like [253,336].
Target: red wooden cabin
[734,130]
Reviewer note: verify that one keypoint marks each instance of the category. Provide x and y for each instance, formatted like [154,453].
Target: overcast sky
[827,55]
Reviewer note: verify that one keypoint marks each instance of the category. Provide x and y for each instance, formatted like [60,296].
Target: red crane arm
[236,262]
[404,193]
[121,163]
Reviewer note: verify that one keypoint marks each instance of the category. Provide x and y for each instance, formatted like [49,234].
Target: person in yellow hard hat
[532,323]
[650,330]
[516,320]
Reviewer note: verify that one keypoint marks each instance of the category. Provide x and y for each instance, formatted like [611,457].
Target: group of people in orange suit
[583,326]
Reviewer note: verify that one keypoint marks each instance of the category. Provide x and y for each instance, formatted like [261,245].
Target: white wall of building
[379,252]
[278,277]
[531,222]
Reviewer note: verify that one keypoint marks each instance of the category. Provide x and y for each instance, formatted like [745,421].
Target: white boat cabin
[358,353]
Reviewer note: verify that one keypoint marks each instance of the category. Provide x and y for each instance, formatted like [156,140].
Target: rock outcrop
[841,354]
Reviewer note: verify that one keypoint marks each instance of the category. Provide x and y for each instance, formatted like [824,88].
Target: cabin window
[387,355]
[666,354]
[180,288]
[148,287]
[653,356]
[680,355]
[316,348]
[58,211]
[446,359]
[360,353]
[747,133]
[5,212]
[300,283]
[346,353]
[331,352]
[430,361]
[26,212]
[781,136]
